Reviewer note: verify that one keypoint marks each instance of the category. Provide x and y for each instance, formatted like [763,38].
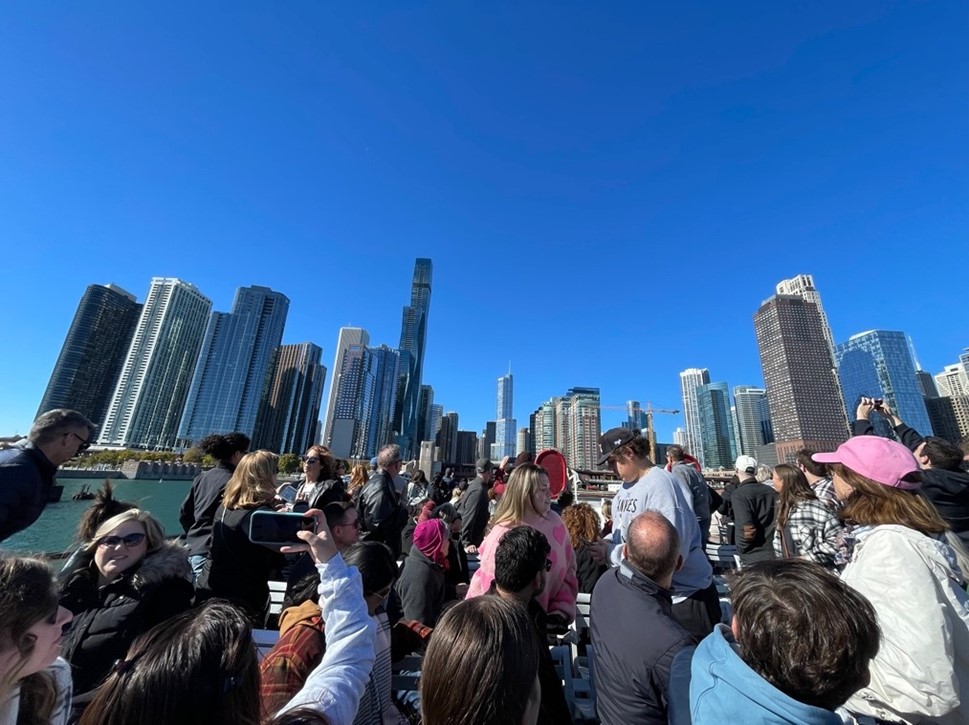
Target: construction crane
[649,410]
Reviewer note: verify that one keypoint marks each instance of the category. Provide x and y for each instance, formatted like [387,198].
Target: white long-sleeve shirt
[335,686]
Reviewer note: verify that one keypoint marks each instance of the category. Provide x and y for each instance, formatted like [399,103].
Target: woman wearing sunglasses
[128,579]
[320,485]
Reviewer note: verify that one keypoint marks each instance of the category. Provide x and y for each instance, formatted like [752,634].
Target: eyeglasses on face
[310,459]
[355,524]
[85,444]
[128,541]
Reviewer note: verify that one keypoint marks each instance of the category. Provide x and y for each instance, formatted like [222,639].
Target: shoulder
[169,562]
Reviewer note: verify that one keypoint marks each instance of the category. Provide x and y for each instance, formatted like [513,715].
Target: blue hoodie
[724,689]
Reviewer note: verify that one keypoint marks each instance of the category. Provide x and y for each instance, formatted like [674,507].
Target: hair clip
[122,667]
[231,683]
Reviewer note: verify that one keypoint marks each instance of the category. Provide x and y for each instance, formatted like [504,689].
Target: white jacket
[921,673]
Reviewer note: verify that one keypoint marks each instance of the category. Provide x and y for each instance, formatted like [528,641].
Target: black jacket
[587,569]
[635,637]
[237,569]
[947,490]
[107,619]
[754,506]
[26,480]
[198,508]
[382,516]
[421,588]
[473,508]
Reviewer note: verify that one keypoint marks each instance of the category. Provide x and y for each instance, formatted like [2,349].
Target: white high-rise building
[348,336]
[803,286]
[690,380]
[680,438]
[148,400]
[953,380]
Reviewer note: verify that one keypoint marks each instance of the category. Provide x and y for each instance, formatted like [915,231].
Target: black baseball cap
[612,440]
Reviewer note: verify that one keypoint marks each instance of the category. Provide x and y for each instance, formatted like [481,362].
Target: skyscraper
[289,412]
[447,438]
[521,445]
[354,404]
[953,380]
[879,364]
[716,425]
[424,404]
[386,362]
[753,420]
[679,437]
[803,286]
[690,379]
[94,351]
[436,416]
[147,402]
[505,425]
[635,417]
[802,390]
[467,447]
[487,439]
[413,338]
[233,365]
[348,336]
[578,426]
[541,425]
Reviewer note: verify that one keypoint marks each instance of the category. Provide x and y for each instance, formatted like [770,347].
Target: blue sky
[608,191]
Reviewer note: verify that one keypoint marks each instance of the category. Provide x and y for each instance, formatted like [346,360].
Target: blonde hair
[872,504]
[516,501]
[358,477]
[154,531]
[253,482]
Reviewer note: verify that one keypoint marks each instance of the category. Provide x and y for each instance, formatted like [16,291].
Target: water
[54,530]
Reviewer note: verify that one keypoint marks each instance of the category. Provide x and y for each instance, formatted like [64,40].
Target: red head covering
[425,513]
[429,538]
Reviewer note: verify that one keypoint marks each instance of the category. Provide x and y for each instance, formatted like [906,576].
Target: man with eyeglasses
[27,470]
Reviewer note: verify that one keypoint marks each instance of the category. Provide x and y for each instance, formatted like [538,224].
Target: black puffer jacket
[26,480]
[107,619]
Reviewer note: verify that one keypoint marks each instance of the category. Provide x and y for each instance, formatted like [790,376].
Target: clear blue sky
[608,191]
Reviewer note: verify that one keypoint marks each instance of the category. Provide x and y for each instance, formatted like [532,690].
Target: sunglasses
[109,542]
[310,459]
[85,444]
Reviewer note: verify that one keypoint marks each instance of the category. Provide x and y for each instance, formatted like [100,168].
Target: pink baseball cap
[880,459]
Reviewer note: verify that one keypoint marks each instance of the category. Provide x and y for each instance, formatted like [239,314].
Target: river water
[54,530]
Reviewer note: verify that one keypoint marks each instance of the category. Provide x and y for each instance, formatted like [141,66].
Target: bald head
[653,546]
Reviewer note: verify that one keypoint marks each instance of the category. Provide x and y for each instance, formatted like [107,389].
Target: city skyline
[318,150]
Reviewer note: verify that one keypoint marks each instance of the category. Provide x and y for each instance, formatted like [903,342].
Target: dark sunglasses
[109,542]
[85,444]
[310,459]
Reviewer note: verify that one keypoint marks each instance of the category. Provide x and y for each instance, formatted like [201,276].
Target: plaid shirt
[824,490]
[285,668]
[815,529]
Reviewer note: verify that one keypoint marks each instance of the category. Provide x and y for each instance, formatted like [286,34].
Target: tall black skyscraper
[413,336]
[290,407]
[94,351]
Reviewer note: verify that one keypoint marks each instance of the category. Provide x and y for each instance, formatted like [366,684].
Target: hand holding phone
[319,544]
[278,528]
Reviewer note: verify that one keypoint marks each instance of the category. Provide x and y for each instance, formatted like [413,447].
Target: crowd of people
[850,603]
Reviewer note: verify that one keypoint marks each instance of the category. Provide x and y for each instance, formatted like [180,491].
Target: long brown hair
[253,482]
[28,595]
[582,523]
[872,504]
[358,477]
[794,488]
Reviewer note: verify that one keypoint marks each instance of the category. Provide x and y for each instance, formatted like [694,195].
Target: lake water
[54,530]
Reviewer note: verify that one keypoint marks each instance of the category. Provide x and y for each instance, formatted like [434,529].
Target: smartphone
[287,493]
[274,528]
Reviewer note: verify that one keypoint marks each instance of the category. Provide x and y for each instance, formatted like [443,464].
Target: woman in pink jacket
[527,502]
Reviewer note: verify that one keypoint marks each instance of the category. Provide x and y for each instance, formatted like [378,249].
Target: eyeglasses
[110,542]
[85,444]
[548,565]
[356,524]
[310,459]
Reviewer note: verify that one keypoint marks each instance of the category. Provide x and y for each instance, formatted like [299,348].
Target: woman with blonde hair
[582,523]
[359,476]
[900,561]
[527,502]
[237,569]
[128,578]
[35,684]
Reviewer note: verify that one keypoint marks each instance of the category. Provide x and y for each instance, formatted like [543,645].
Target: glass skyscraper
[753,420]
[386,372]
[690,379]
[716,425]
[289,412]
[413,339]
[505,425]
[94,351]
[879,364]
[234,365]
[348,336]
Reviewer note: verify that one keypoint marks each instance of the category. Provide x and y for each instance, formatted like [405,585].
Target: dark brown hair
[794,488]
[490,643]
[871,504]
[803,458]
[803,630]
[104,507]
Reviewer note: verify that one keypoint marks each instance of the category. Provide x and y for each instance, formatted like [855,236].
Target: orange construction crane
[649,410]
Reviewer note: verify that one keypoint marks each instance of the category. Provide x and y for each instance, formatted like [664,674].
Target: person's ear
[735,628]
[679,562]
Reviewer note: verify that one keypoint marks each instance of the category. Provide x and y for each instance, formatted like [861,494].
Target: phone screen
[272,527]
[287,493]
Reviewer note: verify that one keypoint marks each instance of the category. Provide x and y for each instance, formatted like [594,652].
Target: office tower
[802,390]
[753,420]
[447,438]
[953,380]
[803,286]
[879,364]
[147,402]
[467,448]
[577,427]
[487,439]
[949,417]
[94,350]
[233,365]
[413,336]
[521,445]
[288,420]
[424,404]
[927,384]
[428,461]
[505,425]
[716,425]
[386,372]
[690,379]
[635,417]
[349,435]
[679,437]
[348,336]
[436,415]
[542,426]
